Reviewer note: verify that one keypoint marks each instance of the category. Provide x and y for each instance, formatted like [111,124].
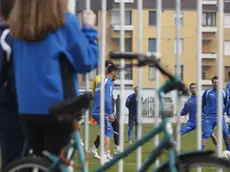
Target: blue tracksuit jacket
[108,98]
[37,68]
[209,106]
[190,107]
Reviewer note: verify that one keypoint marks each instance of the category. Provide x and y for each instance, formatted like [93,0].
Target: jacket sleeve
[127,103]
[204,103]
[184,111]
[82,45]
[108,98]
[93,86]
[227,92]
[4,61]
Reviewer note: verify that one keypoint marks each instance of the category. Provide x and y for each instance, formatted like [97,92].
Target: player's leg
[207,131]
[93,150]
[187,127]
[109,132]
[214,139]
[225,134]
[115,125]
[130,129]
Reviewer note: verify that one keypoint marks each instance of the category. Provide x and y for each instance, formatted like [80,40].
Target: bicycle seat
[71,106]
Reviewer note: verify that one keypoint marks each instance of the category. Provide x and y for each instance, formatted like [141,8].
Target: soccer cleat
[94,153]
[92,121]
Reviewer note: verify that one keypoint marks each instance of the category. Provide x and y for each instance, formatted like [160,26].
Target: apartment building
[187,44]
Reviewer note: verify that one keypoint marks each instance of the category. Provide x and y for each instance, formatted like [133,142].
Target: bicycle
[176,162]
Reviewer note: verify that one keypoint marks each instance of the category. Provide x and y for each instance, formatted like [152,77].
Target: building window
[181,71]
[226,70]
[128,44]
[227,20]
[152,45]
[128,72]
[181,19]
[206,72]
[209,19]
[96,13]
[181,46]
[227,48]
[152,18]
[116,18]
[152,73]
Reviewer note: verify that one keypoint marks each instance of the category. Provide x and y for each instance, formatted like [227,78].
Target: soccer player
[115,123]
[190,107]
[228,103]
[131,104]
[209,108]
[109,116]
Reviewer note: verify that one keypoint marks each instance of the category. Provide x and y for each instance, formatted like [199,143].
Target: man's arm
[108,98]
[127,102]
[204,102]
[184,111]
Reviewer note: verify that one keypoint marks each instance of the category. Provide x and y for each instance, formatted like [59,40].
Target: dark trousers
[13,136]
[46,133]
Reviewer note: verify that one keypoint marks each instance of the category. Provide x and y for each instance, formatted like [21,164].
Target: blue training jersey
[190,107]
[228,98]
[209,105]
[108,87]
[37,66]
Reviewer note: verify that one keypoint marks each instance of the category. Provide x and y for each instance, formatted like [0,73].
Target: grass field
[188,142]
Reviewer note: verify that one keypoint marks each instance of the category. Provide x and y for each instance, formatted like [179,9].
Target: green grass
[188,142]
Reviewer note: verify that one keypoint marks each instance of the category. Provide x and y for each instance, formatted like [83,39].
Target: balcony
[206,82]
[209,29]
[126,1]
[209,2]
[209,56]
[116,27]
[126,82]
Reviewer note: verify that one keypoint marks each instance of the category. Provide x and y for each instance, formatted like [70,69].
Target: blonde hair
[32,20]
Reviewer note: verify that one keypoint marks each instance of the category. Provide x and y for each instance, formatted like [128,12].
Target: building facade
[187,44]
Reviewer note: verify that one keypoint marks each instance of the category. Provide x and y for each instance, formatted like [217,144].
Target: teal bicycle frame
[167,142]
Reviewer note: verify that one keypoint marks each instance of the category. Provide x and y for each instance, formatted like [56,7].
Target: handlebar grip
[117,55]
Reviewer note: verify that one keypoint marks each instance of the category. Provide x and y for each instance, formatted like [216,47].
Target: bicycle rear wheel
[29,164]
[189,163]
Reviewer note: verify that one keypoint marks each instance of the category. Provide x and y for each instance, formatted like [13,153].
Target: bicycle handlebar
[71,106]
[152,59]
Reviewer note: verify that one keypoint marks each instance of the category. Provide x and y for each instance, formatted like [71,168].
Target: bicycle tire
[41,163]
[184,163]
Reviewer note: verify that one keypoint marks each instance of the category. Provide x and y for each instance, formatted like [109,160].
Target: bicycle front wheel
[29,164]
[189,163]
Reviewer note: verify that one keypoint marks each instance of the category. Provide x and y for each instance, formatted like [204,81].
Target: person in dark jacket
[131,104]
[13,136]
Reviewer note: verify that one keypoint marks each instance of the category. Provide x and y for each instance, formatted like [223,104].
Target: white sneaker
[108,156]
[94,153]
[117,150]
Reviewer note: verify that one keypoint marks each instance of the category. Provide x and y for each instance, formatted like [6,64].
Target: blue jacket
[228,98]
[108,98]
[190,107]
[209,105]
[131,104]
[7,84]
[37,68]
